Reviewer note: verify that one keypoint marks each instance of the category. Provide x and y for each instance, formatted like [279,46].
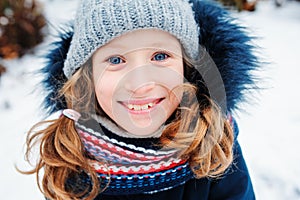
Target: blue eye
[115,60]
[160,56]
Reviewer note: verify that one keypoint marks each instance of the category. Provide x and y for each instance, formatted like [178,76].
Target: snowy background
[268,131]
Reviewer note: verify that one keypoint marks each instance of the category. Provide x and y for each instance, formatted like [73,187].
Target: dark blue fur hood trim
[54,77]
[227,43]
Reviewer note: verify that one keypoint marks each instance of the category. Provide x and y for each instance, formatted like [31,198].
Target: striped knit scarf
[133,166]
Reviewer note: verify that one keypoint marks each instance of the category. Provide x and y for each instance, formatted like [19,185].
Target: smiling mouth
[141,105]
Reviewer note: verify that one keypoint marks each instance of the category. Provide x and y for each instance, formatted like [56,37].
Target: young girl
[145,90]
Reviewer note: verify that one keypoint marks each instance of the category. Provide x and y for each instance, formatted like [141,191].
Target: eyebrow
[161,43]
[157,45]
[152,44]
[114,46]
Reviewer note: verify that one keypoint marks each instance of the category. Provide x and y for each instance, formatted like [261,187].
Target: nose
[140,80]
[143,88]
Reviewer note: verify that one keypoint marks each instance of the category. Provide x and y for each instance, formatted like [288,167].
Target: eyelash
[112,60]
[166,56]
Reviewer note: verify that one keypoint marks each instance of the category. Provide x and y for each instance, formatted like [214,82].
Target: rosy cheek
[105,88]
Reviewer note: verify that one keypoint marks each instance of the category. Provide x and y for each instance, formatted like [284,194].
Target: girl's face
[135,78]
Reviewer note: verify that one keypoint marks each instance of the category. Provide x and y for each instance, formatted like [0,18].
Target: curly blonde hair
[200,132]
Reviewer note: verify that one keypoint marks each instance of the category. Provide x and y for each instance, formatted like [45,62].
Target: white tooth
[144,107]
[137,107]
[140,107]
[130,106]
[150,105]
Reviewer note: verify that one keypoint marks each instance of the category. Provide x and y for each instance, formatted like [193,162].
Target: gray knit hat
[99,21]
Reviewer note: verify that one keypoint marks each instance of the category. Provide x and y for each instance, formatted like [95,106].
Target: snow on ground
[268,132]
[269,135]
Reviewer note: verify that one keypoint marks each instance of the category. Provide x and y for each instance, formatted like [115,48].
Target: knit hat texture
[99,21]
